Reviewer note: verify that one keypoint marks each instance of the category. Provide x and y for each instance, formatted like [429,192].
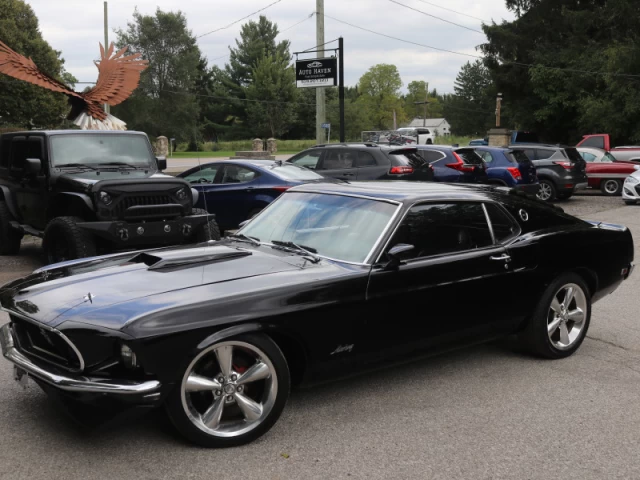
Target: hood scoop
[194,258]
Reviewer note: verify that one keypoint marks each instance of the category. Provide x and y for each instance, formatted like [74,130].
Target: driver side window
[308,159]
[204,175]
[443,228]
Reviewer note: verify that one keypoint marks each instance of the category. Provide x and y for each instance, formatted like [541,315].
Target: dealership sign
[319,72]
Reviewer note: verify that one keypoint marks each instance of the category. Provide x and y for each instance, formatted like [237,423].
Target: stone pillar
[272,145]
[257,145]
[499,137]
[162,146]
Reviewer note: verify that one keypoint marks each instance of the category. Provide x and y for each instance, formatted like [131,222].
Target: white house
[439,126]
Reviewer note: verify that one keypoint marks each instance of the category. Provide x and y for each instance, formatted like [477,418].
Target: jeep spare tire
[207,231]
[9,237]
[64,240]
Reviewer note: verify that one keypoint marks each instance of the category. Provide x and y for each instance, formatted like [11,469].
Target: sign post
[324,72]
[328,127]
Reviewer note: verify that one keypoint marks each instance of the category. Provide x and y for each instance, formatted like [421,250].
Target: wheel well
[70,206]
[497,182]
[294,353]
[590,278]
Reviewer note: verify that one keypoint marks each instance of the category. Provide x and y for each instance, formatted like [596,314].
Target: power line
[481,57]
[453,11]
[279,33]
[237,21]
[438,18]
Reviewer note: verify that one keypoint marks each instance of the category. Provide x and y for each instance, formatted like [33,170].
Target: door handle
[503,257]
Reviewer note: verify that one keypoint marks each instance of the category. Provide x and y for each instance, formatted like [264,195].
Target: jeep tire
[64,240]
[10,238]
[207,231]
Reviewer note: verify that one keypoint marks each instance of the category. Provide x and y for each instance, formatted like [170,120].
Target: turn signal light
[460,165]
[400,170]
[566,165]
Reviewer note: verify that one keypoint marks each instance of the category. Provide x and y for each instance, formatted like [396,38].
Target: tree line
[564,68]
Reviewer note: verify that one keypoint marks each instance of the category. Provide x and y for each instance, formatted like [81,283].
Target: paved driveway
[484,413]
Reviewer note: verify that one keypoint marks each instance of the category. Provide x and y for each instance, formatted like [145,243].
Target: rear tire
[558,327]
[611,188]
[10,238]
[64,240]
[547,191]
[208,231]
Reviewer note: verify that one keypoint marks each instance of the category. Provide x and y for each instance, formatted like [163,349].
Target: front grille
[153,212]
[637,188]
[139,200]
[46,345]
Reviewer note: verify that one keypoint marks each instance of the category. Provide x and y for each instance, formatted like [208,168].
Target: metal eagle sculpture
[118,77]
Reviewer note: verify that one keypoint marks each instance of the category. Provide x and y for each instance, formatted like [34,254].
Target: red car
[604,172]
[603,141]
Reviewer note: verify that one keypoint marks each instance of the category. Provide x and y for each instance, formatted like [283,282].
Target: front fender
[6,194]
[84,198]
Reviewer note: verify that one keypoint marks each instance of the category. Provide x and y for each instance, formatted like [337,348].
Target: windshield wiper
[77,165]
[120,164]
[310,251]
[242,237]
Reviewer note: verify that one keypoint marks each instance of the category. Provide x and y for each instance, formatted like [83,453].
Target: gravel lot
[483,413]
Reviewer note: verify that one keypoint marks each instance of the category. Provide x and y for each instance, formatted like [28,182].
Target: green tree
[22,104]
[164,103]
[379,90]
[471,110]
[271,94]
[558,64]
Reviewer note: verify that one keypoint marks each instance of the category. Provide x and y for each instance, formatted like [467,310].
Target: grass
[453,139]
[221,154]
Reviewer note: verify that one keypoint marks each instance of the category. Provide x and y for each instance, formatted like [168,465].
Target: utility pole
[321,116]
[106,40]
[498,106]
[425,103]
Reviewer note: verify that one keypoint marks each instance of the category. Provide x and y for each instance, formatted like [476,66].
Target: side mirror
[394,255]
[162,163]
[32,166]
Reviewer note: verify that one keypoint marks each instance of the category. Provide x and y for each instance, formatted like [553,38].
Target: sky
[76,26]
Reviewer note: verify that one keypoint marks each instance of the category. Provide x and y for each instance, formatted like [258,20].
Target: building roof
[430,122]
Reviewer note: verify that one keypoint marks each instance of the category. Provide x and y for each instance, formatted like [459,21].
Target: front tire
[546,191]
[611,188]
[64,240]
[209,230]
[9,237]
[560,322]
[231,392]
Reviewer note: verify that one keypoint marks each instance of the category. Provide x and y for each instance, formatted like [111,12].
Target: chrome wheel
[566,316]
[611,187]
[229,389]
[545,191]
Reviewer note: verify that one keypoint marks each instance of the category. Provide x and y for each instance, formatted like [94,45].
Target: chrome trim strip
[70,384]
[613,176]
[342,194]
[368,259]
[52,330]
[486,216]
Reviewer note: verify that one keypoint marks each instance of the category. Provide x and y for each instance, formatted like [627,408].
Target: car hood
[89,177]
[73,289]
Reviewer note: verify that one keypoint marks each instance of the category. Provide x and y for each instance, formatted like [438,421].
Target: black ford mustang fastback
[329,277]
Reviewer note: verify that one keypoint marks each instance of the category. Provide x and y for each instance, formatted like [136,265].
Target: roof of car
[443,147]
[78,132]
[401,191]
[363,145]
[541,145]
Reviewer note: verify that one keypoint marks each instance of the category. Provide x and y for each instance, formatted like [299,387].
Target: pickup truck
[603,141]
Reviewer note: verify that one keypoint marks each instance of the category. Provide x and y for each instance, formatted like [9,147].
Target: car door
[449,286]
[232,194]
[368,168]
[32,194]
[339,163]
[201,178]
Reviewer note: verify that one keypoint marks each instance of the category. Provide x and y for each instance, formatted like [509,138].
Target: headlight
[128,357]
[105,198]
[181,194]
[632,180]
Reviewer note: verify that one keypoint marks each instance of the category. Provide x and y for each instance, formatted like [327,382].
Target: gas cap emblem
[524,215]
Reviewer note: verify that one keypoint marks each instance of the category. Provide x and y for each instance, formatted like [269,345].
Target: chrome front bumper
[76,383]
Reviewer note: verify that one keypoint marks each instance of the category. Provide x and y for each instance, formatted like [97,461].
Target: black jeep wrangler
[92,192]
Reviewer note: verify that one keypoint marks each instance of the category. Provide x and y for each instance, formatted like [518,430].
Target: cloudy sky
[76,26]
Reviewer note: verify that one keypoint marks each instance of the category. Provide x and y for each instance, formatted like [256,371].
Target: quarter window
[431,155]
[236,174]
[504,227]
[340,159]
[445,228]
[365,159]
[588,157]
[486,156]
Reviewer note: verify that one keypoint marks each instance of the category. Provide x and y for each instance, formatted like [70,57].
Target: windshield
[294,172]
[335,226]
[87,149]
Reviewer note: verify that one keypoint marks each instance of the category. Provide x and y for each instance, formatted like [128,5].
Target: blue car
[236,190]
[454,164]
[510,167]
[479,141]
